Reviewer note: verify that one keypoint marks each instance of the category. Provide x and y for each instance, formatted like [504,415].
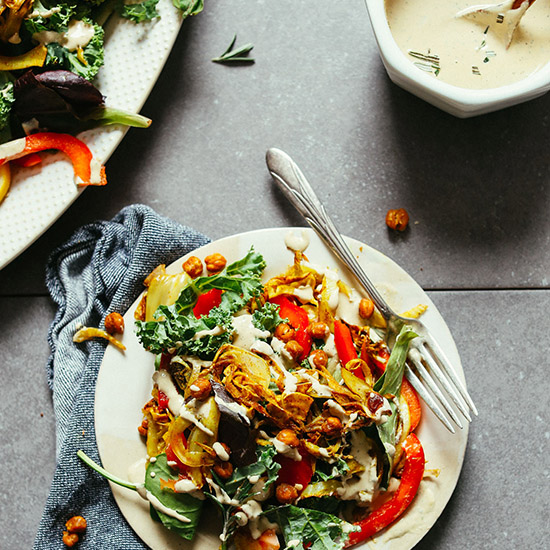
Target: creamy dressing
[78,35]
[287,450]
[157,505]
[246,333]
[472,52]
[221,453]
[361,487]
[297,242]
[191,411]
[187,486]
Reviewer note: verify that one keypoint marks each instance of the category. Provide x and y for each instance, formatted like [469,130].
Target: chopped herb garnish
[235,56]
[428,62]
[475,70]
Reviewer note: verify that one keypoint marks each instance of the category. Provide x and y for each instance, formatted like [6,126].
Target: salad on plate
[276,401]
[50,53]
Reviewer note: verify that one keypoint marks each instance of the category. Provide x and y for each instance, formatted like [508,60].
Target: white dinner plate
[134,57]
[124,385]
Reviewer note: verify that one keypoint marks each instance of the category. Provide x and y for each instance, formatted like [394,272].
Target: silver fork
[428,369]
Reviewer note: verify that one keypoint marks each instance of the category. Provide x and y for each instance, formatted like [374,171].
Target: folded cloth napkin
[100,269]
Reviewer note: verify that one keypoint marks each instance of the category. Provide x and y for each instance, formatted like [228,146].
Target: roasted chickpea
[77,524]
[286,493]
[397,219]
[366,308]
[114,322]
[193,267]
[318,358]
[200,388]
[223,469]
[215,263]
[284,332]
[318,330]
[143,428]
[294,349]
[332,426]
[69,539]
[288,437]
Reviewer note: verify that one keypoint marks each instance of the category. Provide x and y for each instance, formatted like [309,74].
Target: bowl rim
[534,84]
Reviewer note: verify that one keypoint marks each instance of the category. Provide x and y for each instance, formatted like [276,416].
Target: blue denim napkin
[98,270]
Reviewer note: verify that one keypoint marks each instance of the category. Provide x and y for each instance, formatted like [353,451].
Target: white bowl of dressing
[455,99]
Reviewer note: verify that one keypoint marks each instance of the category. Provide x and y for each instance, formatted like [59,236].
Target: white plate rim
[438,443]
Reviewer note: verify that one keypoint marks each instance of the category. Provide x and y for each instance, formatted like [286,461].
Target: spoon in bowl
[506,16]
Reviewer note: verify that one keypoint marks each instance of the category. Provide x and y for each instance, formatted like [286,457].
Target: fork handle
[298,191]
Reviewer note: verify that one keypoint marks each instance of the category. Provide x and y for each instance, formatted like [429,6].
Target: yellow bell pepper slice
[33,58]
[5,180]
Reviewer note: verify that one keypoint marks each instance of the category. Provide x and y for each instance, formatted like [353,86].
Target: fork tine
[428,381]
[451,373]
[427,398]
[436,372]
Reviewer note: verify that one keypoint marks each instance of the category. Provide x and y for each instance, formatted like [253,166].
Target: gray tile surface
[478,192]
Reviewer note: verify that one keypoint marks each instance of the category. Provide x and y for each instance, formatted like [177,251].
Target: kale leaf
[267,317]
[85,63]
[313,529]
[6,101]
[176,326]
[138,12]
[182,503]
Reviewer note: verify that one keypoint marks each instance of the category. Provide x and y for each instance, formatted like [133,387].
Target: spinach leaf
[267,317]
[312,528]
[182,503]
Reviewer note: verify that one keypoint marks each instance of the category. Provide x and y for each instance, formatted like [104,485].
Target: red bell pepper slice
[162,400]
[413,470]
[413,403]
[86,170]
[298,319]
[207,301]
[172,457]
[377,363]
[295,472]
[31,159]
[345,347]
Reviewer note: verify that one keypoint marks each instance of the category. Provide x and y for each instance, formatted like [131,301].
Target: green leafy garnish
[312,528]
[182,503]
[325,471]
[267,317]
[240,488]
[176,326]
[390,384]
[139,12]
[188,7]
[235,56]
[6,102]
